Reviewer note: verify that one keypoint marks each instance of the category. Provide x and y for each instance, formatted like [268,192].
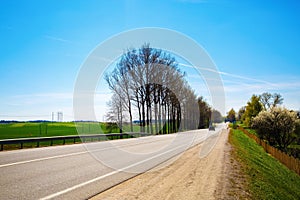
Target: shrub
[278,126]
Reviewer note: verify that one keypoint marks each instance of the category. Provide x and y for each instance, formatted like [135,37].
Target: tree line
[148,85]
[277,125]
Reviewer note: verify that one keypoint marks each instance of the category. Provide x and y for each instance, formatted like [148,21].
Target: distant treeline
[16,121]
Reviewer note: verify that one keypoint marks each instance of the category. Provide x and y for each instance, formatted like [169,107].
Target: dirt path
[189,177]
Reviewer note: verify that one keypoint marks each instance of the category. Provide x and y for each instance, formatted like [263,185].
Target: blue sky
[254,44]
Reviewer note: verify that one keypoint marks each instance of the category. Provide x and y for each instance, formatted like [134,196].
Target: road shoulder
[188,177]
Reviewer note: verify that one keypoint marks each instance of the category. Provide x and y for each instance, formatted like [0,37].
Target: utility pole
[60,116]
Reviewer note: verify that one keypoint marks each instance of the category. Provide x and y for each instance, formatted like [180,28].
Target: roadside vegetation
[265,117]
[267,177]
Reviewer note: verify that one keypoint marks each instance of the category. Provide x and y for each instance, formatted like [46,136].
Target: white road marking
[41,159]
[104,176]
[71,154]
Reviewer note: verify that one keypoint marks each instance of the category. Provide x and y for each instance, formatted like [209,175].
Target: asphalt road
[81,171]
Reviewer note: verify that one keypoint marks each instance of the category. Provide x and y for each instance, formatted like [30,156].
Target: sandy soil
[215,176]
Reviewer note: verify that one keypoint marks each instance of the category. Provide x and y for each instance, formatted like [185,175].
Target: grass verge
[267,177]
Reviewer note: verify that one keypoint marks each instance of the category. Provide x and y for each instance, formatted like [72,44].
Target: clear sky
[255,45]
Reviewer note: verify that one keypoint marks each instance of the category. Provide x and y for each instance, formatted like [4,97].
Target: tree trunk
[130,114]
[168,107]
[139,109]
[143,116]
[155,117]
[159,116]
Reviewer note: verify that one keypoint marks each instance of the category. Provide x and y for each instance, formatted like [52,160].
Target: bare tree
[270,101]
[116,112]
[150,84]
[277,100]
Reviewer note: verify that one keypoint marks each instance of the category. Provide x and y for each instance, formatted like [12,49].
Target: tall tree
[119,83]
[204,113]
[269,100]
[253,108]
[152,86]
[277,100]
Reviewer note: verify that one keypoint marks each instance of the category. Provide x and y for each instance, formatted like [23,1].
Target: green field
[267,177]
[29,129]
[49,129]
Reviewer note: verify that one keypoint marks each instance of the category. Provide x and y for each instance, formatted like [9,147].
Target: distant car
[211,128]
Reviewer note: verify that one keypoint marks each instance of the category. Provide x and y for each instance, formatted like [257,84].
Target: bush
[277,126]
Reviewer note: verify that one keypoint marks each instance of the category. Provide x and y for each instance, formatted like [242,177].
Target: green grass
[28,129]
[49,129]
[268,178]
[252,131]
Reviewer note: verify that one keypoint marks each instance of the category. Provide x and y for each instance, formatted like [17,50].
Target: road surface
[188,177]
[81,171]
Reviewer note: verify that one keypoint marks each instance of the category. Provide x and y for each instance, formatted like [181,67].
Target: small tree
[241,113]
[278,126]
[116,112]
[231,115]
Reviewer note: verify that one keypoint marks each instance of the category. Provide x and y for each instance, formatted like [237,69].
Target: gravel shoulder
[215,176]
